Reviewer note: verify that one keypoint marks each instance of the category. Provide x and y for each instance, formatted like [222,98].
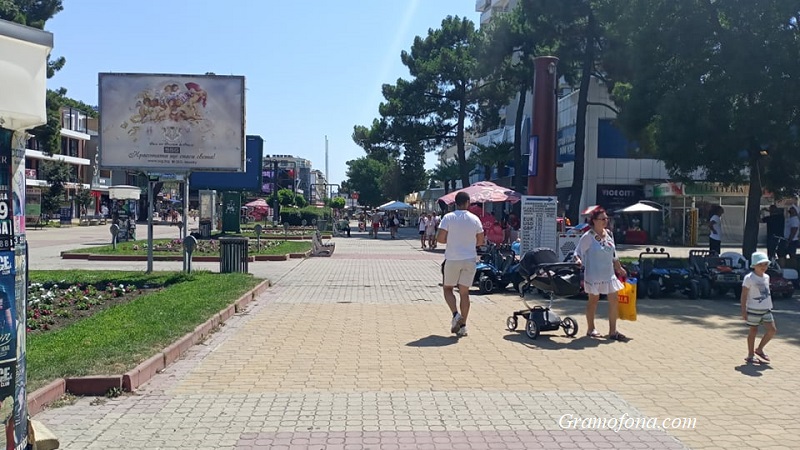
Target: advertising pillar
[23,57]
[542,145]
[13,290]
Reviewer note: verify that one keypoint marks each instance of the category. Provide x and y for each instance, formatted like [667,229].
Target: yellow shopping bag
[627,300]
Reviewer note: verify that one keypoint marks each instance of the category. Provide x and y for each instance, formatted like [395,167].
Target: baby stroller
[541,269]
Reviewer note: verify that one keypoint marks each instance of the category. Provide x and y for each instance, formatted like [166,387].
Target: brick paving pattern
[354,351]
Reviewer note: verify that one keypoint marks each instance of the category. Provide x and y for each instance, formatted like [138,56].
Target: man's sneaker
[462,331]
[457,323]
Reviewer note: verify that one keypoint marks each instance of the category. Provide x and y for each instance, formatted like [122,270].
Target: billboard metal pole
[185,228]
[149,226]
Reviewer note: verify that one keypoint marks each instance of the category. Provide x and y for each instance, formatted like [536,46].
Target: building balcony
[74,124]
[482,5]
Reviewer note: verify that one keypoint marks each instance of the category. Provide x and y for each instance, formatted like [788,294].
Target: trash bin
[205,229]
[233,254]
[322,225]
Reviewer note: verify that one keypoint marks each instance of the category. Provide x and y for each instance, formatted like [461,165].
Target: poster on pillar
[6,207]
[533,156]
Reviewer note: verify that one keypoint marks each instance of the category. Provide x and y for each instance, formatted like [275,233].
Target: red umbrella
[484,192]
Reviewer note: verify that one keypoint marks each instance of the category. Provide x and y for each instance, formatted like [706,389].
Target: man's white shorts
[459,273]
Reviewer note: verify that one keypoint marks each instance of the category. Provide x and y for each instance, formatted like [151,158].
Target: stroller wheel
[570,326]
[531,329]
[511,323]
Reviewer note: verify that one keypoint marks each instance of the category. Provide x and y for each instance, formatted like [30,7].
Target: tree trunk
[519,166]
[460,147]
[752,215]
[487,173]
[576,191]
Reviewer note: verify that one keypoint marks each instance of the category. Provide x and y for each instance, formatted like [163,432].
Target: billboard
[249,180]
[171,123]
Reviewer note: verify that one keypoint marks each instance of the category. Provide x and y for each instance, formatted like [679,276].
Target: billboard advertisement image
[172,122]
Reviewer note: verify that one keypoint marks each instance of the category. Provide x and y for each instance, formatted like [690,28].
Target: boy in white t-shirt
[757,307]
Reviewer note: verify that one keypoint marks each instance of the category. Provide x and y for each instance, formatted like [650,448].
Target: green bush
[295,216]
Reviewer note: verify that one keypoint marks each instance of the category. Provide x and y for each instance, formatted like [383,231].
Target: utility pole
[327,174]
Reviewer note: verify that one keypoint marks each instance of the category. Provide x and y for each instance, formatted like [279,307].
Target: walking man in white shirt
[462,232]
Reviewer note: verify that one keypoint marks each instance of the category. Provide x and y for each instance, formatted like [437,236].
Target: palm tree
[492,155]
[446,172]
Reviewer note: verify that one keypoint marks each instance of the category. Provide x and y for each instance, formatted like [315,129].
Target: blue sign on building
[565,144]
[249,180]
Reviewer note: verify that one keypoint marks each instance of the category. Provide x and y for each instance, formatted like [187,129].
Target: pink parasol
[258,203]
[484,192]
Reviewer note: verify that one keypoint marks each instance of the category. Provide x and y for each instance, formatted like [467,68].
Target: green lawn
[117,339]
[204,248]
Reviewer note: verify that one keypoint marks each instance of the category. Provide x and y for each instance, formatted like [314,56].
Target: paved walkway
[354,351]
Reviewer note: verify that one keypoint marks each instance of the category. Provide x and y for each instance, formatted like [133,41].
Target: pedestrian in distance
[430,230]
[462,231]
[596,251]
[775,228]
[715,230]
[757,308]
[423,224]
[792,232]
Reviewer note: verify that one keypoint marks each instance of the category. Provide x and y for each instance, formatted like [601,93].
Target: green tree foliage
[364,176]
[495,155]
[83,198]
[337,203]
[447,173]
[33,13]
[286,197]
[412,168]
[712,85]
[57,173]
[300,201]
[445,95]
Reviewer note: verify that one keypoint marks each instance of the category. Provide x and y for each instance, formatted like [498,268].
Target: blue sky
[312,68]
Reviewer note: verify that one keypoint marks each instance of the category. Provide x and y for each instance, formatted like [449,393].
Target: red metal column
[542,145]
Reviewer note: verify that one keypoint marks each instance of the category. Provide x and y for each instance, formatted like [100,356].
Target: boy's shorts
[756,317]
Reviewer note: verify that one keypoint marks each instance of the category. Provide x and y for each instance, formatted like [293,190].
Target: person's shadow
[546,341]
[433,341]
[752,369]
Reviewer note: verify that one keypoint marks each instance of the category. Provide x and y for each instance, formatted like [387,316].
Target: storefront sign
[717,189]
[617,196]
[697,189]
[538,227]
[664,190]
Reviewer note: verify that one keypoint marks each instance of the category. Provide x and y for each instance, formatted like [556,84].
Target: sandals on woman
[618,337]
[593,334]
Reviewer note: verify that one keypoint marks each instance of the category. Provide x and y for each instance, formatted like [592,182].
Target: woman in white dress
[597,253]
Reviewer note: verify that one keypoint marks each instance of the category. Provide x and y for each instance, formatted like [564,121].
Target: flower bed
[55,305]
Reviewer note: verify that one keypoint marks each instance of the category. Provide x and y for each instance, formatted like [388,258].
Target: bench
[320,248]
[33,222]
